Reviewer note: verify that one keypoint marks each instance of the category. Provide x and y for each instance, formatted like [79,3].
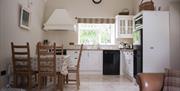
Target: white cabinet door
[128,58]
[73,56]
[122,63]
[126,63]
[124,26]
[131,66]
[95,60]
[91,61]
[155,43]
[84,61]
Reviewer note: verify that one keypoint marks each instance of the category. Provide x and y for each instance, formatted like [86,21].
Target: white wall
[83,8]
[175,35]
[61,37]
[86,8]
[164,4]
[11,32]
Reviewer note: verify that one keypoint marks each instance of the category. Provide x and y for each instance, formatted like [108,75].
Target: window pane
[88,37]
[105,37]
[96,34]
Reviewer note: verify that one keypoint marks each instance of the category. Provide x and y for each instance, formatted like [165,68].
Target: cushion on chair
[172,80]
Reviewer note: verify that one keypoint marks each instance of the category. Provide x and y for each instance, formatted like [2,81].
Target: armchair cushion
[172,80]
[150,81]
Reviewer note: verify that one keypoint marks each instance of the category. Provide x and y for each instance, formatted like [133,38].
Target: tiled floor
[98,82]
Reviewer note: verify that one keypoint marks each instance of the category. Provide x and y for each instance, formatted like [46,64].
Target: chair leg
[15,80]
[67,78]
[44,81]
[60,82]
[55,82]
[39,82]
[77,80]
[35,77]
[30,81]
[64,79]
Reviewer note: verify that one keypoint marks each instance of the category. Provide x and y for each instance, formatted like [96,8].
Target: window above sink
[96,33]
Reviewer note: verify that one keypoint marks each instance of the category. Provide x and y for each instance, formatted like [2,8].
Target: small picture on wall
[25,18]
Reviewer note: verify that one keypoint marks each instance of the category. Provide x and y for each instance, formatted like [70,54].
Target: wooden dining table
[62,62]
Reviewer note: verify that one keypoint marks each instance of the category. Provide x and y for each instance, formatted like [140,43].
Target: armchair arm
[150,81]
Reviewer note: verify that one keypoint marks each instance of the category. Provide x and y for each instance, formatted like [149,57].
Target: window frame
[99,40]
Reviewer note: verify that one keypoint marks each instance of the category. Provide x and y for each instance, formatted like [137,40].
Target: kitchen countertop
[93,49]
[97,48]
[100,49]
[126,49]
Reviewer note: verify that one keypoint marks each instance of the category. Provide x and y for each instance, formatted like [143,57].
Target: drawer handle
[75,58]
[75,52]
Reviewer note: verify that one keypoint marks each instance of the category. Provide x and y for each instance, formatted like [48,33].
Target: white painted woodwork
[127,63]
[175,35]
[90,60]
[124,26]
[73,56]
[60,20]
[155,40]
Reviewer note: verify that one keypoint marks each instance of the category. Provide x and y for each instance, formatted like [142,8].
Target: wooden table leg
[60,82]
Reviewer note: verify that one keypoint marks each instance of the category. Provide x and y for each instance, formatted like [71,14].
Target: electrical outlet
[3,73]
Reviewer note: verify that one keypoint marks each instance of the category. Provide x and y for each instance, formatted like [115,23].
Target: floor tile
[98,82]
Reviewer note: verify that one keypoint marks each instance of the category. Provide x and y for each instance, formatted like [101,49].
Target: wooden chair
[60,50]
[61,78]
[75,69]
[22,63]
[46,64]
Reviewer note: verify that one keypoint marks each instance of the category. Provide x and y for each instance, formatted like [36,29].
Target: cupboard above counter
[124,26]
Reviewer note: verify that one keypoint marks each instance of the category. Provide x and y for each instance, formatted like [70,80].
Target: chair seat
[75,69]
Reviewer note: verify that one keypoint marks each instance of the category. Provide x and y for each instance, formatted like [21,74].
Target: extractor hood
[60,20]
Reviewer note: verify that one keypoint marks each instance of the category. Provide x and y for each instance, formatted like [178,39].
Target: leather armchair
[150,81]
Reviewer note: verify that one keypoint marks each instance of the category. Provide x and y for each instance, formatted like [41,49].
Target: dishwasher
[111,62]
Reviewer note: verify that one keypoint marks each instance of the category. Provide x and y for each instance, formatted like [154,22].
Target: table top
[62,62]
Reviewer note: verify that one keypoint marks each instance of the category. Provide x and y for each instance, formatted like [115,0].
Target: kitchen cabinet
[127,63]
[122,63]
[152,44]
[73,56]
[91,60]
[124,26]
